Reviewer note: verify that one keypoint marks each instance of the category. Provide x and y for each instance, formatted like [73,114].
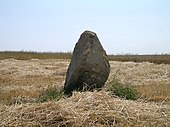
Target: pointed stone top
[89,32]
[89,65]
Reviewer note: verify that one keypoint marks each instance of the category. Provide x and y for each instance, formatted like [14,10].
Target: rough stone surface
[89,67]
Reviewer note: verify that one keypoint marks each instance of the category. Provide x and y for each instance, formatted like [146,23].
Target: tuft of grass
[51,93]
[122,90]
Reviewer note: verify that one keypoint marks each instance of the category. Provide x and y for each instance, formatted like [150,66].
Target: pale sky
[122,26]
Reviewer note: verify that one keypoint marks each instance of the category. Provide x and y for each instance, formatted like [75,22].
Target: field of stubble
[26,79]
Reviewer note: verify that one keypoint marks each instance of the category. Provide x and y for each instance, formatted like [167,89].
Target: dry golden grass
[84,110]
[26,79]
[19,78]
[155,92]
[152,81]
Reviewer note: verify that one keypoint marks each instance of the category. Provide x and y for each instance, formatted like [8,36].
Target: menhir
[89,67]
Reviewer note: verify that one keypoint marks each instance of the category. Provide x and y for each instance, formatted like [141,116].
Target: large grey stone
[89,67]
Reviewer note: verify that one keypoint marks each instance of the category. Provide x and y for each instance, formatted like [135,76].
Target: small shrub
[122,90]
[51,93]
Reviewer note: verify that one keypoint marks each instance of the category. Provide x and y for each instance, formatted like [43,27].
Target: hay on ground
[84,110]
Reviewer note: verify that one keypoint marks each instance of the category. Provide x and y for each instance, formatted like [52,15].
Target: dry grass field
[22,81]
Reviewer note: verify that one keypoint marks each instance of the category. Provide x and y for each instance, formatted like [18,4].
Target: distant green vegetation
[159,59]
[24,55]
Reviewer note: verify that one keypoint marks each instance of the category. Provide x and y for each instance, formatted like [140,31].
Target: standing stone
[89,67]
